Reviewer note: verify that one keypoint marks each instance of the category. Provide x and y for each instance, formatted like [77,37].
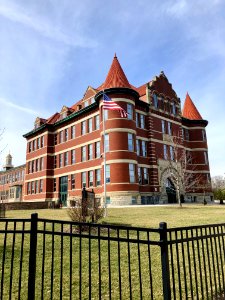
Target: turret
[8,162]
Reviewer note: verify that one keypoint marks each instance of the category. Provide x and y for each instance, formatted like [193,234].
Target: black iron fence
[48,259]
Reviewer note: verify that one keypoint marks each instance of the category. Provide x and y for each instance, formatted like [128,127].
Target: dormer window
[64,112]
[86,103]
[38,122]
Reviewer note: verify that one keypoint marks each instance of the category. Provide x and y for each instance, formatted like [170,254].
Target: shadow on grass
[116,224]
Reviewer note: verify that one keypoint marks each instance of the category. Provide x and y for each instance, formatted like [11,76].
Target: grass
[86,251]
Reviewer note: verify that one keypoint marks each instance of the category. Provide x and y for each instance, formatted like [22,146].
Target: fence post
[165,261]
[32,258]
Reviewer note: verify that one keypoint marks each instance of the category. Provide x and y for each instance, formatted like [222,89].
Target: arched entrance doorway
[171,191]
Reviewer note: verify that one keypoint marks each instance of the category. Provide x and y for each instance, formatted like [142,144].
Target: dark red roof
[116,76]
[190,111]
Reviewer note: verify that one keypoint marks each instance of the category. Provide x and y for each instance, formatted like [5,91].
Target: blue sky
[51,50]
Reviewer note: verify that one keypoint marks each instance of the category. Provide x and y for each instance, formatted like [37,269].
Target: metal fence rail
[48,259]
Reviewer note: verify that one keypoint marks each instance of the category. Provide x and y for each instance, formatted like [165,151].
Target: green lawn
[144,216]
[69,252]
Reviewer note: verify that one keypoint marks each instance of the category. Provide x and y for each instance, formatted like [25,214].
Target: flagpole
[104,157]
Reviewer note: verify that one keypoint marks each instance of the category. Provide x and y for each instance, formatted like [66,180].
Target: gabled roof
[162,85]
[116,77]
[189,110]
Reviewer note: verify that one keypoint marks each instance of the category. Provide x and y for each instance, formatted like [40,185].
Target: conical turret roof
[190,111]
[116,76]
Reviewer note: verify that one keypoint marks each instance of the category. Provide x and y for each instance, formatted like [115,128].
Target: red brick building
[146,152]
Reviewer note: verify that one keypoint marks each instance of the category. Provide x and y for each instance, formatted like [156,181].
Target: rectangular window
[145,176]
[142,121]
[38,143]
[83,179]
[129,111]
[36,187]
[41,186]
[97,123]
[86,103]
[34,145]
[132,173]
[106,142]
[203,135]
[98,177]
[186,134]
[42,141]
[130,142]
[55,139]
[66,158]
[144,148]
[165,151]
[90,125]
[32,187]
[73,157]
[106,114]
[72,181]
[61,139]
[66,134]
[139,176]
[91,178]
[163,126]
[206,158]
[173,108]
[28,188]
[90,151]
[54,185]
[171,153]
[73,132]
[138,147]
[55,161]
[37,165]
[83,127]
[108,200]
[60,160]
[169,128]
[107,173]
[155,101]
[137,119]
[97,150]
[83,153]
[30,146]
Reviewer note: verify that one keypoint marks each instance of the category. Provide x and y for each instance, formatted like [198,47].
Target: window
[138,147]
[169,128]
[83,153]
[187,134]
[33,166]
[28,188]
[97,150]
[42,142]
[203,135]
[98,177]
[86,103]
[32,187]
[97,123]
[162,103]
[90,151]
[38,143]
[73,157]
[129,111]
[55,161]
[92,100]
[163,126]
[137,119]
[165,151]
[130,142]
[106,115]
[91,178]
[60,160]
[61,140]
[37,165]
[171,153]
[155,100]
[83,179]
[72,181]
[206,158]
[34,145]
[30,146]
[54,184]
[106,142]
[66,134]
[145,176]
[142,121]
[89,125]
[66,158]
[107,173]
[108,201]
[173,108]
[144,148]
[132,173]
[41,186]
[83,127]
[133,199]
[55,139]
[139,176]
[73,132]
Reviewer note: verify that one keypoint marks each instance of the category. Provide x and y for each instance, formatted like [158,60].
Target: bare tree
[218,185]
[182,168]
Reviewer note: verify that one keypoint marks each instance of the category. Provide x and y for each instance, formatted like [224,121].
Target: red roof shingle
[189,110]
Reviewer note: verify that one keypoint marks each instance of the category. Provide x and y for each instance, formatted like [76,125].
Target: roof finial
[115,55]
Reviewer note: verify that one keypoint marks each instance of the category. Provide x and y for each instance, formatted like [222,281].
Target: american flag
[111,105]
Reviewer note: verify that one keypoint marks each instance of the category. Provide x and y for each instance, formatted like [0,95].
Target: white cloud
[42,26]
[17,107]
